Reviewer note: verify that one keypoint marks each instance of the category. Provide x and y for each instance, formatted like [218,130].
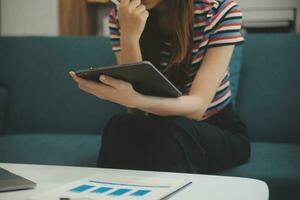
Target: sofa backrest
[41,97]
[268,96]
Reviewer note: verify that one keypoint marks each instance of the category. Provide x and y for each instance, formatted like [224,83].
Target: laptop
[10,181]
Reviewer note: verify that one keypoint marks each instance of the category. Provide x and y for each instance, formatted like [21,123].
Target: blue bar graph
[140,193]
[119,192]
[107,190]
[102,190]
[81,188]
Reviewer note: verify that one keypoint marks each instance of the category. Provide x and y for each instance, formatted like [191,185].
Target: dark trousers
[174,144]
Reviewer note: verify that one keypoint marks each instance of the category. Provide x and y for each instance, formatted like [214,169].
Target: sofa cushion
[43,97]
[268,97]
[235,70]
[3,102]
[50,148]
[276,164]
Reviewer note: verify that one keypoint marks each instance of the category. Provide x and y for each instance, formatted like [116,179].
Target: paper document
[107,187]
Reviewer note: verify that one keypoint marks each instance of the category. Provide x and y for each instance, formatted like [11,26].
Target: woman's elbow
[199,108]
[198,113]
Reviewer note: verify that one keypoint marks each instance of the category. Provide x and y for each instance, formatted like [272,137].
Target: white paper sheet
[106,187]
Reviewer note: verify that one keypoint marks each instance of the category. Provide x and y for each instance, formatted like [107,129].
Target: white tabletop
[204,187]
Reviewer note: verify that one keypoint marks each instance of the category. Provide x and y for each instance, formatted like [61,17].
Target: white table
[204,187]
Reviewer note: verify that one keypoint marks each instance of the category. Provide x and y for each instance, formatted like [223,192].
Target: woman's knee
[245,152]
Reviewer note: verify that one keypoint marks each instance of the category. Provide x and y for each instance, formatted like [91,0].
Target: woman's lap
[171,144]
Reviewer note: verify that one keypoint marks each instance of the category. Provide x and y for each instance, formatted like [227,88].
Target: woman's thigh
[173,144]
[206,147]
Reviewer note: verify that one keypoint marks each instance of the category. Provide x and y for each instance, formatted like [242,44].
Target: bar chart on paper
[120,187]
[114,189]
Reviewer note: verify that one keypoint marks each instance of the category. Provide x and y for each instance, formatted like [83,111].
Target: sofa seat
[276,164]
[50,148]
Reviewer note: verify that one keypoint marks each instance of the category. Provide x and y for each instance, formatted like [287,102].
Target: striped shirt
[216,23]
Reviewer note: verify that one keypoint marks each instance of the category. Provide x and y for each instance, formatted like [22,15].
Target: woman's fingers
[134,4]
[74,77]
[77,79]
[141,8]
[84,88]
[145,14]
[115,83]
[124,2]
[84,83]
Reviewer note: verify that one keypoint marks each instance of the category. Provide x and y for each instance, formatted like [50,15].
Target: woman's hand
[132,18]
[110,89]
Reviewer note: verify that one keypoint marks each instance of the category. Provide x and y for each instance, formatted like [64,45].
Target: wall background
[41,17]
[29,17]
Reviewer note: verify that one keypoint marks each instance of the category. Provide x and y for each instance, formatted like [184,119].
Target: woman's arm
[132,18]
[131,13]
[203,89]
[192,106]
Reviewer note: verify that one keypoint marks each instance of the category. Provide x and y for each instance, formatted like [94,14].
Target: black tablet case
[144,77]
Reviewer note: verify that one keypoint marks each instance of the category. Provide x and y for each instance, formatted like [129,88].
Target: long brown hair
[181,14]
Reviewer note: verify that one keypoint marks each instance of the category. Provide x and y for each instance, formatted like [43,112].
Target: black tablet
[143,76]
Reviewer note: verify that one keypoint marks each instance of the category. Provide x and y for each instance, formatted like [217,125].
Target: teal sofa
[46,119]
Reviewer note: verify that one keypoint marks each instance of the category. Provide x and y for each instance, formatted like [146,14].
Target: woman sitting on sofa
[191,42]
